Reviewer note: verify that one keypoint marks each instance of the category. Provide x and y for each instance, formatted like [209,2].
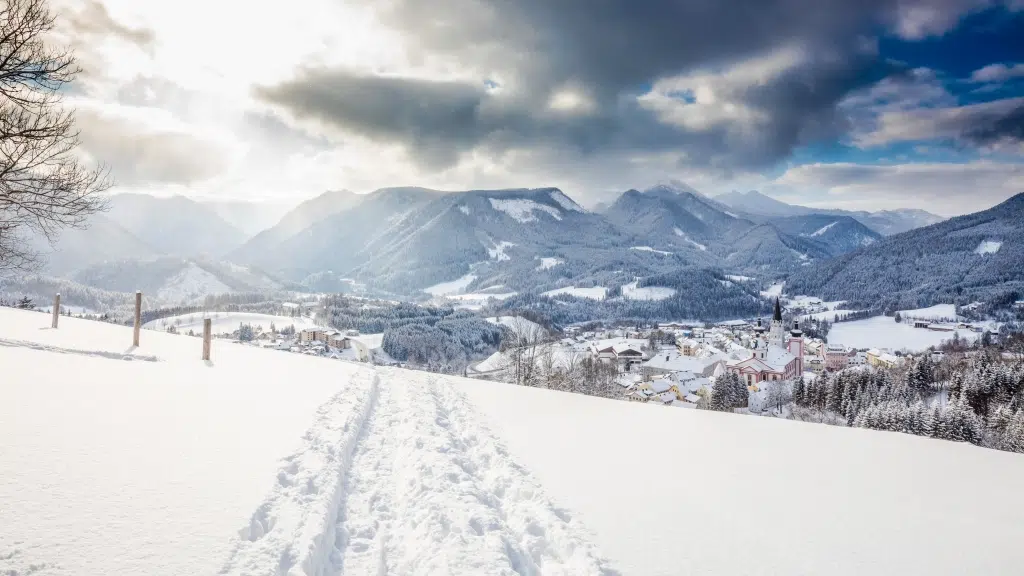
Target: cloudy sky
[868,104]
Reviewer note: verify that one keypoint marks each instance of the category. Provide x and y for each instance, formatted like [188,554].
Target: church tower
[777,334]
[796,346]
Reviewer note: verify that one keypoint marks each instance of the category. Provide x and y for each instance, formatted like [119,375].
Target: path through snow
[399,476]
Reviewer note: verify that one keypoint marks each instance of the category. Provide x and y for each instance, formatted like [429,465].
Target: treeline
[710,305]
[980,401]
[437,338]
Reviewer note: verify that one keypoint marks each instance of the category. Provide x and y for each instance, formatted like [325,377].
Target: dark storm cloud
[615,50]
[997,128]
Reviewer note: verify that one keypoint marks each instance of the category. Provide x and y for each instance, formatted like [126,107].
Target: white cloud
[998,73]
[946,189]
[708,99]
[930,123]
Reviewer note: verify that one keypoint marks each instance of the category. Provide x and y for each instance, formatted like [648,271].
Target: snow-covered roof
[778,358]
[675,362]
[659,386]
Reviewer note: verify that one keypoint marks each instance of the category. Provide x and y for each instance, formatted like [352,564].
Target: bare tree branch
[43,185]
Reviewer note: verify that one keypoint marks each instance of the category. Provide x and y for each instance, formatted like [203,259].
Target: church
[775,356]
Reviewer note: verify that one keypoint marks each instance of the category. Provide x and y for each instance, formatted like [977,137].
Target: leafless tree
[521,348]
[43,185]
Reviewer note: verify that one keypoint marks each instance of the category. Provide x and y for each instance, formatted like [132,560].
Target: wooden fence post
[56,310]
[206,338]
[138,317]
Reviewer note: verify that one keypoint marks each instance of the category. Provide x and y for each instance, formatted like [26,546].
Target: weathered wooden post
[138,317]
[56,310]
[206,338]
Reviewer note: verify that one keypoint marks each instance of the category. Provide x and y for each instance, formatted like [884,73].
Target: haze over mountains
[663,242]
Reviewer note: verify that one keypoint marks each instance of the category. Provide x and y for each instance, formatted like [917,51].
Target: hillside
[154,462]
[174,280]
[296,220]
[837,235]
[975,257]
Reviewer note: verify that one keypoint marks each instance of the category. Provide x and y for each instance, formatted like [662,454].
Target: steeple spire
[778,311]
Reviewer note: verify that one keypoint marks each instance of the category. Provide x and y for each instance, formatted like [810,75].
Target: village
[672,364]
[677,364]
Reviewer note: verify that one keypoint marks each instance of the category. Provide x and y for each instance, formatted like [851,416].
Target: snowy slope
[227,322]
[269,463]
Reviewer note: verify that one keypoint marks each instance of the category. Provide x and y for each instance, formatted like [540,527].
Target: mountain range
[415,243]
[885,222]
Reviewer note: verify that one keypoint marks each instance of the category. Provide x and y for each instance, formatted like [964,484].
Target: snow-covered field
[548,263]
[518,324]
[227,322]
[988,247]
[649,249]
[453,287]
[632,292]
[267,463]
[774,291]
[885,332]
[595,293]
[937,312]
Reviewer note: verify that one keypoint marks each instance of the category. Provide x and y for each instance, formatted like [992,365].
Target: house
[668,362]
[921,323]
[882,359]
[815,364]
[688,347]
[858,358]
[837,357]
[308,335]
[941,327]
[638,395]
[937,355]
[336,339]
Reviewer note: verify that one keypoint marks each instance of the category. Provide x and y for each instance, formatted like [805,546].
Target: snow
[874,528]
[649,249]
[829,315]
[548,263]
[222,322]
[988,247]
[190,284]
[372,341]
[773,291]
[464,209]
[731,214]
[451,287]
[632,292]
[498,251]
[821,230]
[885,332]
[595,293]
[565,202]
[263,462]
[522,210]
[683,235]
[519,324]
[936,312]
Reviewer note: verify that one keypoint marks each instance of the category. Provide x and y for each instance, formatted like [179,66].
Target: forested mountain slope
[974,257]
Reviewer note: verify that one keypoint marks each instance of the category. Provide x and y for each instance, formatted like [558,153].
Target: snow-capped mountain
[757,206]
[974,257]
[836,234]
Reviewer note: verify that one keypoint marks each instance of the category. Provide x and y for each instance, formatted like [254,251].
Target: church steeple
[776,334]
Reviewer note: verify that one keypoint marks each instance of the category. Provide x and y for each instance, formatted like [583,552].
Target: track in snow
[416,484]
